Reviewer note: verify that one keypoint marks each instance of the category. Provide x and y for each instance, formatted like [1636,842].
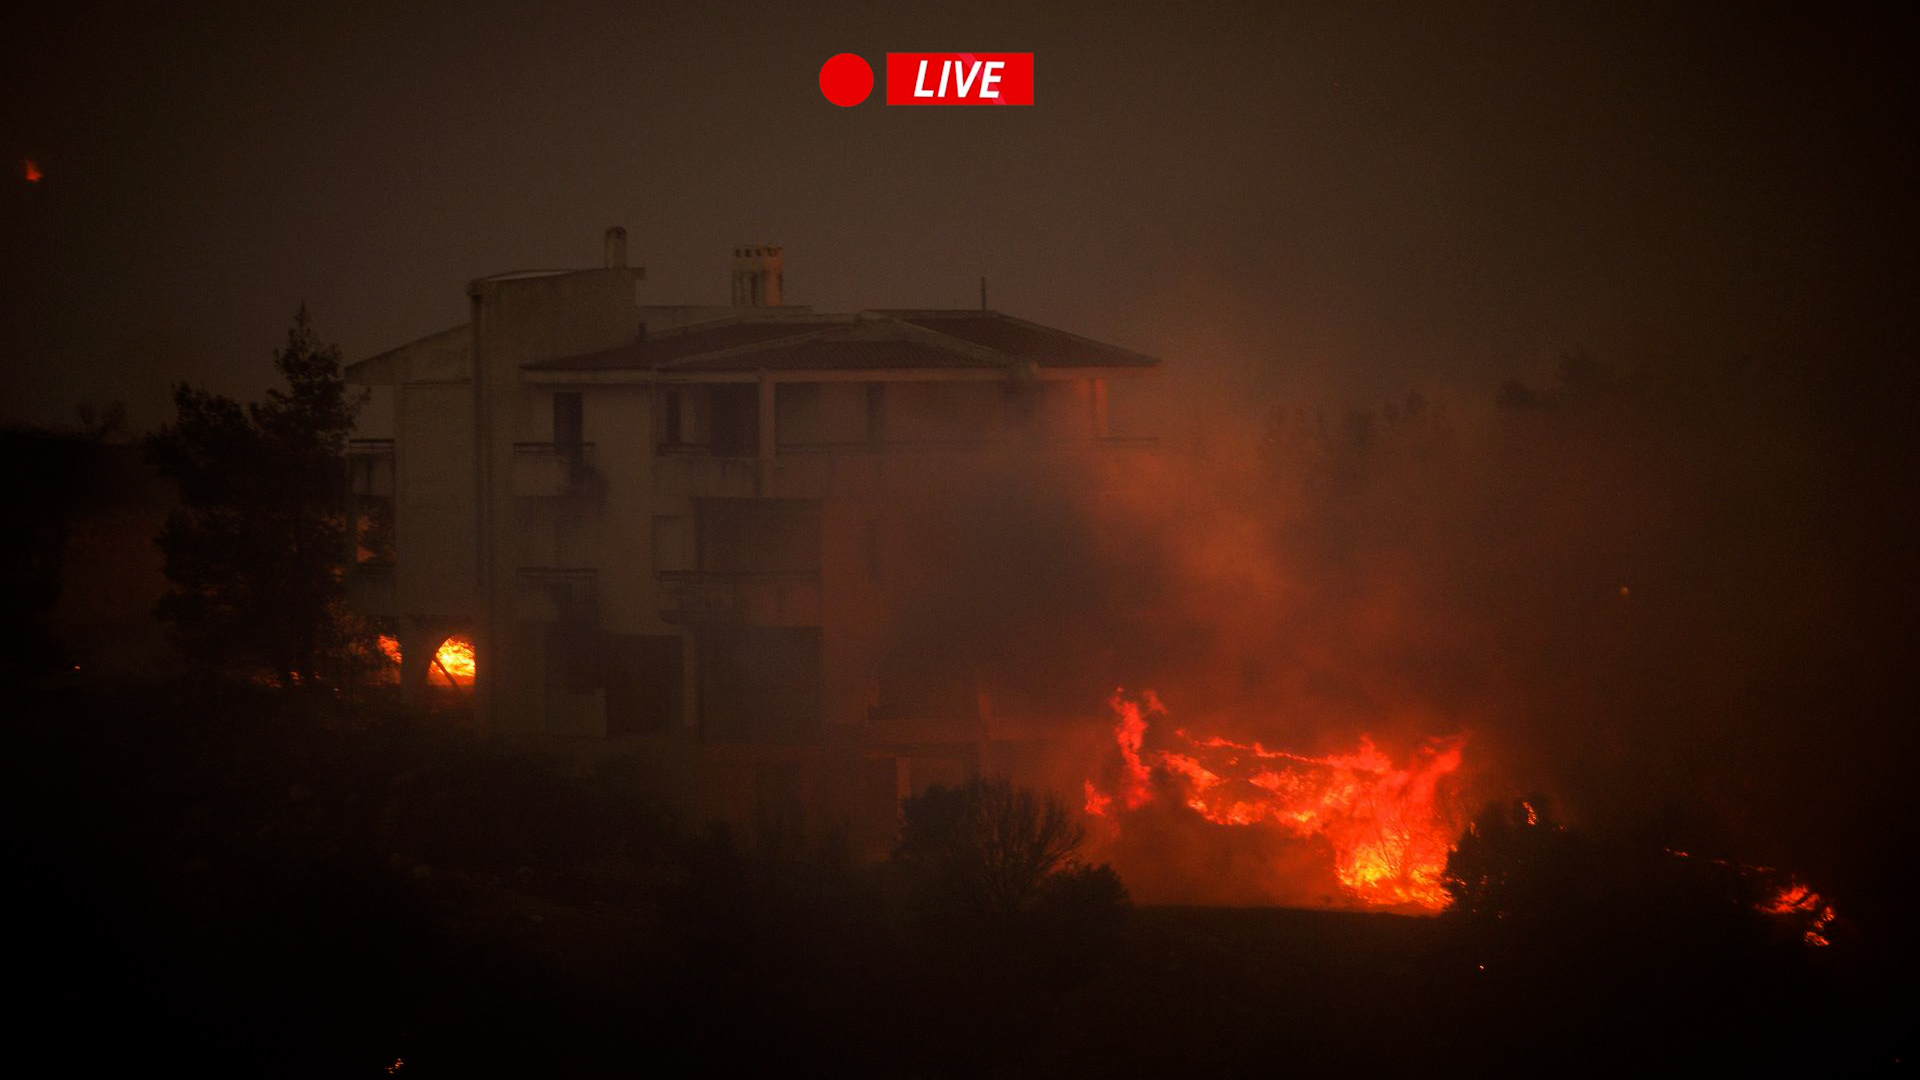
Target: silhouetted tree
[1516,859]
[56,471]
[1520,869]
[256,552]
[987,845]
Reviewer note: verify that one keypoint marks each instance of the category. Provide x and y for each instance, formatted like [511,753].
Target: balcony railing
[558,594]
[554,470]
[370,466]
[686,471]
[371,590]
[754,597]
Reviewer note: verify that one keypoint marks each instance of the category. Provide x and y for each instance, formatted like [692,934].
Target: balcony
[370,589]
[370,467]
[855,470]
[557,594]
[545,470]
[681,470]
[757,598]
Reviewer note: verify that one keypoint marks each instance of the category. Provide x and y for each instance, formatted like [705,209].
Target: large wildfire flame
[1385,823]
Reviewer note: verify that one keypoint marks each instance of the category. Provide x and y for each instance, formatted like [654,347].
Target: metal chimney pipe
[616,247]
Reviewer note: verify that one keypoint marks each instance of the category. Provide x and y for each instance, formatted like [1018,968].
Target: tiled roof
[830,355]
[894,340]
[1022,340]
[663,350]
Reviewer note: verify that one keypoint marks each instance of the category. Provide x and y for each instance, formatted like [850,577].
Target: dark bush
[986,846]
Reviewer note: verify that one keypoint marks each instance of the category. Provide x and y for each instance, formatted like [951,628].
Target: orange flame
[1800,902]
[1385,823]
[454,659]
[33,172]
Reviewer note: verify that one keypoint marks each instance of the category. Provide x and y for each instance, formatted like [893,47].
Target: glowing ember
[33,172]
[1385,823]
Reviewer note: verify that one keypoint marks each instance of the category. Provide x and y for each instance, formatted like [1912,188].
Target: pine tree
[256,553]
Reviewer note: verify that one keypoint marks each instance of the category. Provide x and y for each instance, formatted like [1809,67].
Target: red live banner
[959,78]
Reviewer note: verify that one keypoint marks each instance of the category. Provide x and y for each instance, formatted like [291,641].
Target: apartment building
[678,533]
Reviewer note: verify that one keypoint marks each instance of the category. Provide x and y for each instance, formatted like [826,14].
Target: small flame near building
[453,662]
[1386,823]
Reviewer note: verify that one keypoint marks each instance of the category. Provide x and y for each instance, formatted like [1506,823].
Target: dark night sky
[1351,198]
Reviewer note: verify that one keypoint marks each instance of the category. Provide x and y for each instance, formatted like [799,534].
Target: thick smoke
[1670,598]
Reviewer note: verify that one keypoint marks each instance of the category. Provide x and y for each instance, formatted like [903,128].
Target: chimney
[616,247]
[756,275]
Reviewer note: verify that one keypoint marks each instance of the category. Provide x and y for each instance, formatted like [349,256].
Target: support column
[419,640]
[768,432]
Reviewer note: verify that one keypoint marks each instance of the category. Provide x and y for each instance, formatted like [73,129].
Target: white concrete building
[674,532]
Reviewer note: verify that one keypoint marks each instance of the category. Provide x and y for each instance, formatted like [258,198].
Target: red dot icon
[846,80]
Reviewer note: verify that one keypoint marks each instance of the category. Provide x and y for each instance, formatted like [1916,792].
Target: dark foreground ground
[235,883]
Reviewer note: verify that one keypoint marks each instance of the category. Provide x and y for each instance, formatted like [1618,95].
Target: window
[736,418]
[569,426]
[573,659]
[672,424]
[759,536]
[760,684]
[643,679]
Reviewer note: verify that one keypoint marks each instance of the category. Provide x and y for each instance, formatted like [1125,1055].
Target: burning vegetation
[1802,905]
[1383,826]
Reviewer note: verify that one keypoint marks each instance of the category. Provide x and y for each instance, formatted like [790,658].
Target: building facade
[678,533]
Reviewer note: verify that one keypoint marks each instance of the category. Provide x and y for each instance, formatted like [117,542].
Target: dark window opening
[759,536]
[673,436]
[643,673]
[374,532]
[736,419]
[569,425]
[796,409]
[573,659]
[760,684]
[926,679]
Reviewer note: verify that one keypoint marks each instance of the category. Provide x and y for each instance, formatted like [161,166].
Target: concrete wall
[821,414]
[433,500]
[521,319]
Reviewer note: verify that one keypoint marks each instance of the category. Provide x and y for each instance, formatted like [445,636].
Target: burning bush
[1520,867]
[1579,937]
[1377,828]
